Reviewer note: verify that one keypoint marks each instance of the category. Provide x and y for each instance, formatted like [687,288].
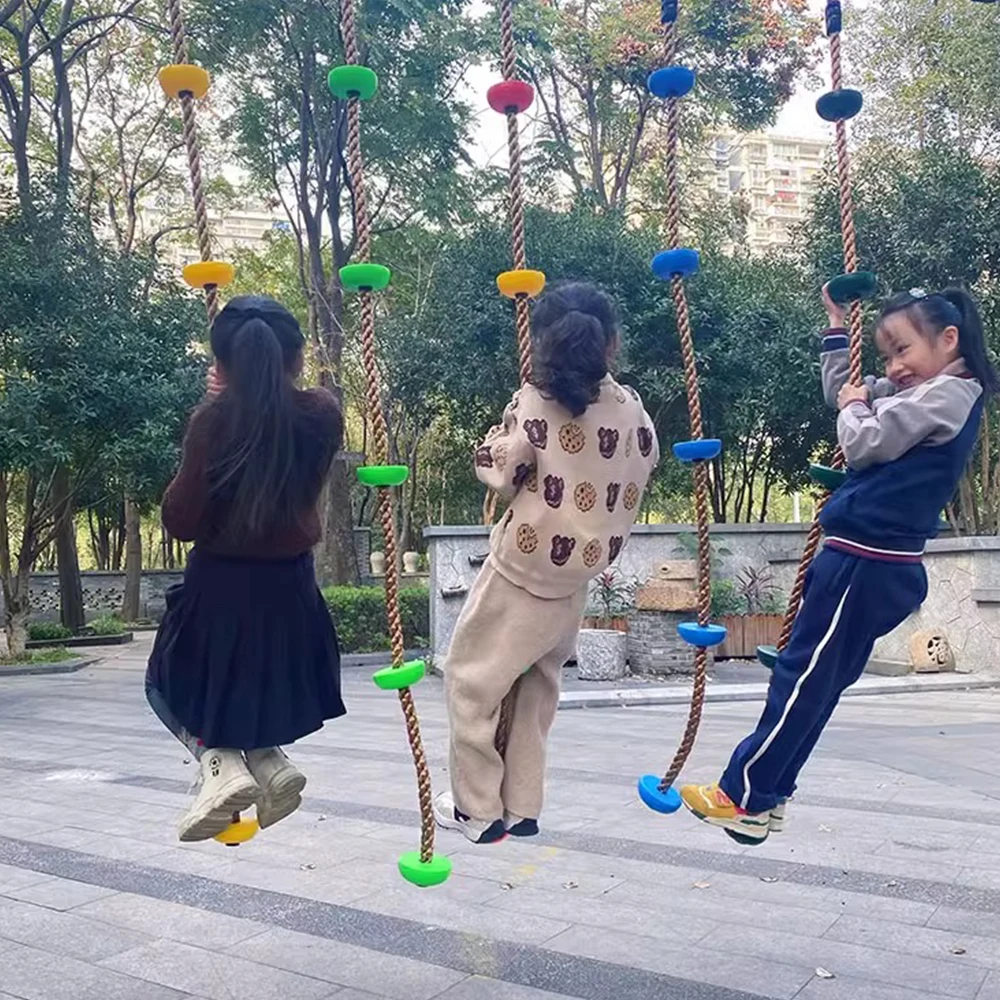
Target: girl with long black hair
[246,658]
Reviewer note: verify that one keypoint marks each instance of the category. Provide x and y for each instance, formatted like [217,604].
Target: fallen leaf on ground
[957,950]
[823,828]
[702,885]
[892,884]
[768,878]
[308,867]
[571,885]
[824,973]
[506,887]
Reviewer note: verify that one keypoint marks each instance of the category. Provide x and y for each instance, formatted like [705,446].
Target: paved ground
[888,878]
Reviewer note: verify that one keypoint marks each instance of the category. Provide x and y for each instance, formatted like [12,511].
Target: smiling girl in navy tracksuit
[907,439]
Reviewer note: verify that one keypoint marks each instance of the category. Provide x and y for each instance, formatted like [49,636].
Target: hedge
[359,614]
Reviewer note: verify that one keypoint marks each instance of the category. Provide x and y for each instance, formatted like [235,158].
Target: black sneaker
[518,826]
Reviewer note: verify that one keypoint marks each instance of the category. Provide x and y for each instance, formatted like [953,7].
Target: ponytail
[251,474]
[573,329]
[953,307]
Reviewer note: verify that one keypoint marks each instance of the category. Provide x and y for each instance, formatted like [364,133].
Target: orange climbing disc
[209,273]
[521,282]
[184,78]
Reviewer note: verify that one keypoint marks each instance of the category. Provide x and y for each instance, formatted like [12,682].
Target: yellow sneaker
[711,805]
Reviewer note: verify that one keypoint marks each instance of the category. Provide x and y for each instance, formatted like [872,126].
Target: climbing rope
[510,98]
[187,82]
[676,275]
[838,106]
[365,279]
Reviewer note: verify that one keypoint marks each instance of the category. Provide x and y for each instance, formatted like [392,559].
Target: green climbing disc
[768,655]
[364,277]
[352,81]
[433,872]
[832,479]
[383,475]
[849,287]
[397,678]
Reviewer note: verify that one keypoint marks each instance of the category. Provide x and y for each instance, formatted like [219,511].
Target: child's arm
[186,497]
[885,429]
[835,357]
[506,457]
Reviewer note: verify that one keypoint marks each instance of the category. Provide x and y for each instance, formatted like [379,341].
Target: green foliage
[35,657]
[359,615]
[106,625]
[48,632]
[611,596]
[726,600]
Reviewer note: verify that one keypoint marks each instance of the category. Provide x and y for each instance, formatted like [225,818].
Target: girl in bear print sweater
[572,455]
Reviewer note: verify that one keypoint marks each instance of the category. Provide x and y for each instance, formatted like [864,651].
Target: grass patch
[36,656]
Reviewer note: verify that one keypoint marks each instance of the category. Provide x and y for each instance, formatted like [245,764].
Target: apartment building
[776,175]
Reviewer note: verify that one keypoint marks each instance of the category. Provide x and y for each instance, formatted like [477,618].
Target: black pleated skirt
[247,655]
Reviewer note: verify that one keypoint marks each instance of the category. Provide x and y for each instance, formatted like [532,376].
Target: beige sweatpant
[503,631]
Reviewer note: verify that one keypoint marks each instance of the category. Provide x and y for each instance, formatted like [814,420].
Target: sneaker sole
[220,814]
[736,831]
[275,810]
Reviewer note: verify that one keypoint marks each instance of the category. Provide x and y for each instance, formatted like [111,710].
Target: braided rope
[380,437]
[701,484]
[850,242]
[190,130]
[522,313]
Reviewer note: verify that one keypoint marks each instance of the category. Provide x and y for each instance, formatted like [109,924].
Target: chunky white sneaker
[479,831]
[227,787]
[776,823]
[281,784]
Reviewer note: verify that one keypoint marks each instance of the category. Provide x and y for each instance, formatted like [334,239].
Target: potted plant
[602,647]
[751,609]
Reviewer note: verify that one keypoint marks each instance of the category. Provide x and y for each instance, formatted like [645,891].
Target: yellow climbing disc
[521,282]
[184,78]
[209,273]
[238,833]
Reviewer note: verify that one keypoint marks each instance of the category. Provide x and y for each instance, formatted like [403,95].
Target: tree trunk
[17,608]
[67,560]
[133,562]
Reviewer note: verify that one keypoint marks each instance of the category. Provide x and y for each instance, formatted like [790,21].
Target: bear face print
[527,539]
[500,456]
[554,488]
[607,441]
[585,497]
[572,438]
[538,433]
[631,496]
[531,483]
[611,502]
[562,549]
[522,472]
[615,547]
[484,457]
[592,553]
[645,441]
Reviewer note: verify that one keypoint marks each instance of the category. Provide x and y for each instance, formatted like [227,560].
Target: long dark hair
[259,344]
[933,313]
[573,326]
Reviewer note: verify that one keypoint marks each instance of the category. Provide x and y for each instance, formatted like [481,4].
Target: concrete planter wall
[601,654]
[963,573]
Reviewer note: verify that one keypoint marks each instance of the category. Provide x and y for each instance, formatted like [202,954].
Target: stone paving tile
[714,967]
[64,933]
[157,918]
[481,988]
[412,904]
[214,975]
[950,919]
[991,988]
[846,988]
[954,946]
[348,965]
[17,878]
[868,964]
[60,893]
[31,974]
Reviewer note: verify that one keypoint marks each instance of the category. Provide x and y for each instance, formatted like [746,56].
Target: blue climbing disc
[840,105]
[679,263]
[671,81]
[702,450]
[702,636]
[662,802]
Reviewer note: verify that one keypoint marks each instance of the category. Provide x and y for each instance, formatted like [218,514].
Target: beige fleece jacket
[574,485]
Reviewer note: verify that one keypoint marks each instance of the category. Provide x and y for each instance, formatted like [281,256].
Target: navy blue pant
[848,602]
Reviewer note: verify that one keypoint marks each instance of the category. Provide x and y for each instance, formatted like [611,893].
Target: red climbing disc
[510,96]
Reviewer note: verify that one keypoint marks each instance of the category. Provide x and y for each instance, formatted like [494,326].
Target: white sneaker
[281,784]
[479,831]
[227,787]
[776,823]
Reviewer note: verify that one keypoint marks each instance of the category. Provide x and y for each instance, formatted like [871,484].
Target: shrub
[48,632]
[359,614]
[107,625]
[31,657]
